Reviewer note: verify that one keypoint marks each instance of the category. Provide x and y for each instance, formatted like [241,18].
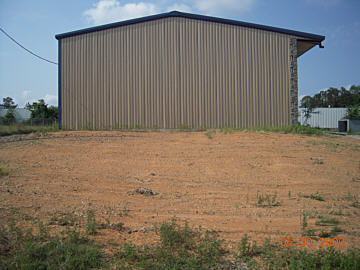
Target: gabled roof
[317,39]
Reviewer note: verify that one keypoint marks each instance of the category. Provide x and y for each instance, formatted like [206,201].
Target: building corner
[59,82]
[293,82]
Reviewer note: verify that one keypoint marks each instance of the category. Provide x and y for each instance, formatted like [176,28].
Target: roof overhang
[305,40]
[303,45]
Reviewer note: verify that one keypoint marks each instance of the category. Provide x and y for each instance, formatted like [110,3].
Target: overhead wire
[38,56]
[42,58]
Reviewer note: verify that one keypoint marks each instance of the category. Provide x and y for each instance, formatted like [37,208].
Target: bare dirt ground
[213,183]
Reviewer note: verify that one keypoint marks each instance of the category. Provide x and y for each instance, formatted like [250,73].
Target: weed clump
[297,129]
[209,133]
[325,221]
[267,200]
[26,129]
[25,250]
[315,196]
[179,248]
[4,171]
[91,224]
[63,219]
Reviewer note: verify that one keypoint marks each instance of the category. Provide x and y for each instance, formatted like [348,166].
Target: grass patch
[335,145]
[352,198]
[124,212]
[355,204]
[25,250]
[179,248]
[64,219]
[337,212]
[25,129]
[91,224]
[304,225]
[333,232]
[270,256]
[209,133]
[4,171]
[293,258]
[297,129]
[315,196]
[267,200]
[227,130]
[336,230]
[326,221]
[182,126]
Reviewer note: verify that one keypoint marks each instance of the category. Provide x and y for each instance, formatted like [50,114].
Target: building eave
[301,35]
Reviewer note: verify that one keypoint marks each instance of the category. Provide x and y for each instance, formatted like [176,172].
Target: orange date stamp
[308,242]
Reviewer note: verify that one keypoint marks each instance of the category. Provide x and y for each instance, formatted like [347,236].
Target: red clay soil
[213,182]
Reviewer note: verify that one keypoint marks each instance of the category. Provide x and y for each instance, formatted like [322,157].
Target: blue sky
[35,23]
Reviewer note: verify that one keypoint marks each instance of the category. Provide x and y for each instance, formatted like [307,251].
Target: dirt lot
[213,182]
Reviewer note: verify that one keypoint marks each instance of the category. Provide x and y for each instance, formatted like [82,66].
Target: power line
[6,34]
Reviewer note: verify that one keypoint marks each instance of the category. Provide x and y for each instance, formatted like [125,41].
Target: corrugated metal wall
[175,72]
[323,117]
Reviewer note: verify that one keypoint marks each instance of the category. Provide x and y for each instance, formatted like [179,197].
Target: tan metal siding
[175,72]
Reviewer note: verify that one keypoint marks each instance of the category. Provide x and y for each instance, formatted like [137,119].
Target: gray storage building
[177,70]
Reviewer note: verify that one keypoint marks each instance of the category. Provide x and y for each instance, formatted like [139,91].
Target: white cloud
[180,7]
[224,6]
[51,99]
[28,96]
[106,11]
[23,98]
[25,93]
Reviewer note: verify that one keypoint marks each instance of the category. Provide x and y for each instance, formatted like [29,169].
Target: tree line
[334,98]
[39,110]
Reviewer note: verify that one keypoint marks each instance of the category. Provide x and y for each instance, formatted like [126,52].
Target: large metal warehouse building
[177,70]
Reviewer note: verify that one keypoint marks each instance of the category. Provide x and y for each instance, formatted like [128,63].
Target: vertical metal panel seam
[59,82]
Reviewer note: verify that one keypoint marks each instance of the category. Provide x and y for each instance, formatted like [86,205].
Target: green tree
[40,110]
[53,112]
[307,102]
[355,94]
[9,117]
[353,113]
[8,103]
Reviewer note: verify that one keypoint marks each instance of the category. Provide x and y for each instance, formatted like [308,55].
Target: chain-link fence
[31,122]
[41,122]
